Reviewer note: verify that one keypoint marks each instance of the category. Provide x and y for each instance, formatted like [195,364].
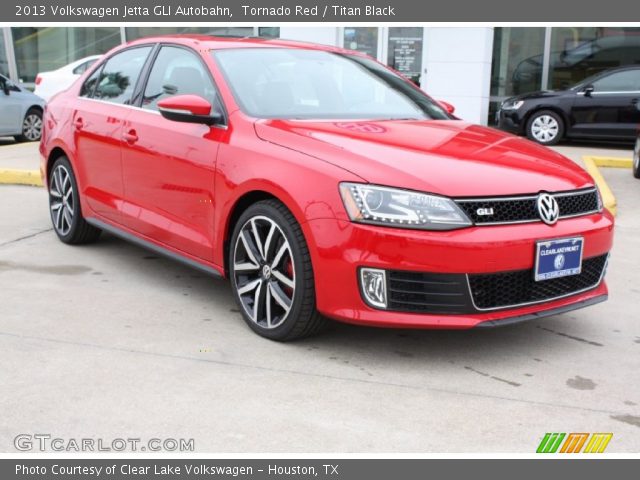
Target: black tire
[549,135]
[64,206]
[636,158]
[31,126]
[273,321]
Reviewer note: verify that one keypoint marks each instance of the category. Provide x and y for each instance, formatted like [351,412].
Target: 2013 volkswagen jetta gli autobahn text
[322,184]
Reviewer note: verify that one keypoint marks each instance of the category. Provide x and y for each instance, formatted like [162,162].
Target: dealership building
[473,68]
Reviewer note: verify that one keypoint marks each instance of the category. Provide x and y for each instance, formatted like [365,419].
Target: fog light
[374,287]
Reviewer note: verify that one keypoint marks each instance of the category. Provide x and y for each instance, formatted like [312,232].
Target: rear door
[169,167]
[105,102]
[611,110]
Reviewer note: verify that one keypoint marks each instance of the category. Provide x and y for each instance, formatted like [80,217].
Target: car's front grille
[508,289]
[523,209]
[438,293]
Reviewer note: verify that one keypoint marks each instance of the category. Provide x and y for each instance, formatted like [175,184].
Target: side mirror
[189,109]
[588,90]
[5,88]
[447,106]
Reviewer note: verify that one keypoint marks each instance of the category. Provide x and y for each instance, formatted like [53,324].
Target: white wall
[458,69]
[324,35]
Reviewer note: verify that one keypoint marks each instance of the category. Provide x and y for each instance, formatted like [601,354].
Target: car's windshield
[313,84]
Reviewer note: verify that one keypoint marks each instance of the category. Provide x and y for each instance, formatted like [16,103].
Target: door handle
[634,101]
[78,123]
[130,136]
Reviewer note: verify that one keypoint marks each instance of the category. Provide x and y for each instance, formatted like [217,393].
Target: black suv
[604,106]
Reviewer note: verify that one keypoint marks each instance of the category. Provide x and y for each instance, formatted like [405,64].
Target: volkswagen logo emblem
[548,208]
[558,261]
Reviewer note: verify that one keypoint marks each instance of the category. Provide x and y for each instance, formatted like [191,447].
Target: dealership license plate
[558,258]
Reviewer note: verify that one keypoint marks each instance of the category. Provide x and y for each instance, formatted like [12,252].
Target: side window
[80,69]
[119,75]
[89,85]
[625,81]
[177,71]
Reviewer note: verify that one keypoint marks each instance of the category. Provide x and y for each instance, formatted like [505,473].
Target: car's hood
[447,157]
[546,94]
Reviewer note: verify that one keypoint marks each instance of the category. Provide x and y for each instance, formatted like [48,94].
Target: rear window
[115,82]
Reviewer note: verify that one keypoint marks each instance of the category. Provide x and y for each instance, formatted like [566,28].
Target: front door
[169,167]
[611,109]
[11,108]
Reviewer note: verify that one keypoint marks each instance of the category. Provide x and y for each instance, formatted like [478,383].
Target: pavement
[15,155]
[110,341]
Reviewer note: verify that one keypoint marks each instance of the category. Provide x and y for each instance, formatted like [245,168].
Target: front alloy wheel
[271,274]
[264,272]
[636,159]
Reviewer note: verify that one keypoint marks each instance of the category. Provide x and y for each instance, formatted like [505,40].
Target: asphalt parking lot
[110,341]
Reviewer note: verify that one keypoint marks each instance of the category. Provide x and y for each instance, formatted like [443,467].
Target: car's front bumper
[339,249]
[511,121]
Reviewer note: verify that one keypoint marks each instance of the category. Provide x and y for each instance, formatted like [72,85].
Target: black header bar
[344,11]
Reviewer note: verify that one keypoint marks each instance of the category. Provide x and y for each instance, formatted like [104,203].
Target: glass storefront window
[269,32]
[517,60]
[134,33]
[578,53]
[404,52]
[517,63]
[40,49]
[362,39]
[4,64]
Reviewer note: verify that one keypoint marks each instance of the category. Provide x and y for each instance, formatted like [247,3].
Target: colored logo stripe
[574,442]
[598,442]
[550,443]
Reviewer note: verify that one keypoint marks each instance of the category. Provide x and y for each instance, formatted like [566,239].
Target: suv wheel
[31,126]
[545,127]
[271,273]
[64,205]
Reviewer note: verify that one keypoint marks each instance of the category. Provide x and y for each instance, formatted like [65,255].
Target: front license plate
[558,258]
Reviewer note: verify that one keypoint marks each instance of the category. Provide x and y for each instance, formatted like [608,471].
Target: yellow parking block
[608,198]
[20,177]
[612,162]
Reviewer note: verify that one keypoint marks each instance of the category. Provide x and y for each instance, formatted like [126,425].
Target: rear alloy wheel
[545,127]
[636,159]
[31,126]
[64,206]
[271,273]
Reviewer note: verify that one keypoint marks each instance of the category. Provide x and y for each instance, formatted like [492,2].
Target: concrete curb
[20,177]
[591,164]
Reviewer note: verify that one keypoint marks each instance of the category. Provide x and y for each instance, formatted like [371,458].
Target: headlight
[393,207]
[600,202]
[512,105]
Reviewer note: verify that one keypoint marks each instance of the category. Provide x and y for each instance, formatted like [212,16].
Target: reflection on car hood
[541,94]
[441,156]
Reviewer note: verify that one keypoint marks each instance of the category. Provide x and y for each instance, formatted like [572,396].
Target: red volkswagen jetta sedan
[323,184]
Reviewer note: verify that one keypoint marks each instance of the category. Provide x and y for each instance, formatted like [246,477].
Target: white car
[50,83]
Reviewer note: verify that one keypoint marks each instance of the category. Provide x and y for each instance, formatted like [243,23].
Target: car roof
[221,43]
[623,67]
